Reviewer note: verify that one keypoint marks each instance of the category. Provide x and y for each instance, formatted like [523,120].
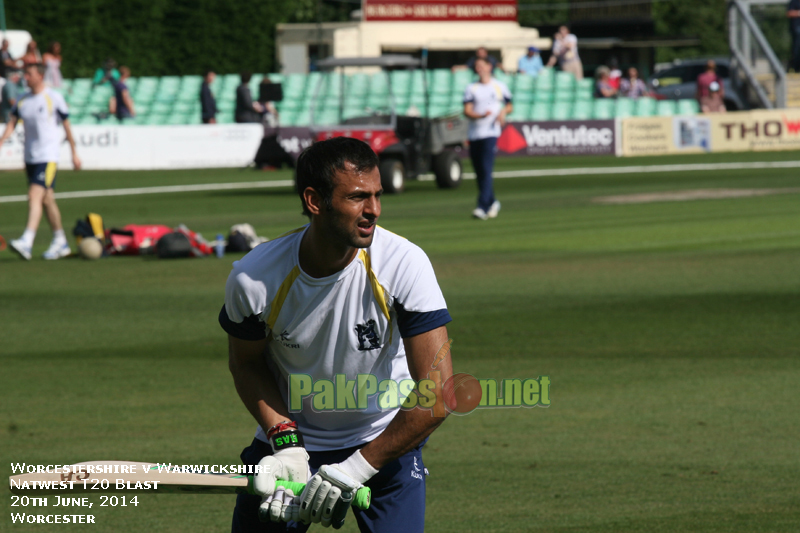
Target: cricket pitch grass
[670,332]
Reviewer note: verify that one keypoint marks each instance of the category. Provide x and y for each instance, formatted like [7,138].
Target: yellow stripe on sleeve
[280,296]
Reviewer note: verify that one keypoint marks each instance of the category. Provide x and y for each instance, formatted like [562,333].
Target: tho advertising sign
[573,137]
[441,10]
[747,131]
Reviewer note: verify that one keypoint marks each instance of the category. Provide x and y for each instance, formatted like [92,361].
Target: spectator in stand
[480,53]
[32,55]
[52,62]
[246,109]
[531,63]
[713,103]
[121,104]
[565,53]
[602,87]
[208,103]
[6,61]
[270,111]
[615,76]
[106,73]
[10,94]
[793,13]
[705,80]
[633,86]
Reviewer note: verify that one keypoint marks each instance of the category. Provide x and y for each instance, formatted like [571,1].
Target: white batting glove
[330,492]
[288,462]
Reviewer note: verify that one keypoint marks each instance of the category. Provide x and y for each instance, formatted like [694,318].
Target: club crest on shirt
[367,336]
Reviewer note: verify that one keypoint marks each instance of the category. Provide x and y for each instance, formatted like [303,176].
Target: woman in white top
[52,61]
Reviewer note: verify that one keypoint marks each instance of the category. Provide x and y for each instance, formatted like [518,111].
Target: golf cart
[410,144]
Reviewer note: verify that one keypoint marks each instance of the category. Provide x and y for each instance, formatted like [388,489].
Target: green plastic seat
[524,83]
[564,95]
[688,107]
[564,81]
[357,84]
[562,111]
[441,81]
[666,108]
[603,109]
[542,96]
[582,110]
[520,112]
[379,84]
[624,108]
[540,112]
[645,107]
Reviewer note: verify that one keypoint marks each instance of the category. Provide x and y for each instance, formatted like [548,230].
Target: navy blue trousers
[795,64]
[398,495]
[481,152]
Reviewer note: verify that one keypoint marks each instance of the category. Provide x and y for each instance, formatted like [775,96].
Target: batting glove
[329,493]
[289,462]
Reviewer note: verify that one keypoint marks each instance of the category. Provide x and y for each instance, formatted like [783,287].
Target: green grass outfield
[670,333]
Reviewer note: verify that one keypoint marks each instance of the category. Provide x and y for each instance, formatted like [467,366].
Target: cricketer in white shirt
[42,114]
[493,97]
[350,323]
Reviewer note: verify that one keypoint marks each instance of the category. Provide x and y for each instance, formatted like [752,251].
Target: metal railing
[752,59]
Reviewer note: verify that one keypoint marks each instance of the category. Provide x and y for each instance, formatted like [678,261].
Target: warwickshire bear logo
[366,333]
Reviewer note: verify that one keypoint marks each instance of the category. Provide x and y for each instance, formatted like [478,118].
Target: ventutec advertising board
[746,131]
[150,147]
[574,137]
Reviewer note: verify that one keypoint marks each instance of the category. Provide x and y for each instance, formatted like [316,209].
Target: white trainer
[492,213]
[479,214]
[57,250]
[23,249]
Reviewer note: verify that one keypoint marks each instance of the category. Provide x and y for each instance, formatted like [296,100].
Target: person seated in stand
[246,109]
[602,87]
[480,53]
[270,111]
[531,63]
[633,86]
[208,103]
[121,104]
[106,73]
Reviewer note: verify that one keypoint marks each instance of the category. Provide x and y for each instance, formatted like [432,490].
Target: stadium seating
[552,95]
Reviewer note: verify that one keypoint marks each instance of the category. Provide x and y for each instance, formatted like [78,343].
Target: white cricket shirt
[492,96]
[42,115]
[350,323]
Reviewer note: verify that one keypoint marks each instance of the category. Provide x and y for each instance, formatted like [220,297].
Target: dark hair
[246,76]
[38,66]
[318,164]
[207,72]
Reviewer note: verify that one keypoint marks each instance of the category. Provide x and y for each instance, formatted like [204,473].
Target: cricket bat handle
[361,500]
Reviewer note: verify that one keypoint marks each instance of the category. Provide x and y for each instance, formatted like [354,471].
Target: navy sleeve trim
[411,323]
[251,328]
[63,116]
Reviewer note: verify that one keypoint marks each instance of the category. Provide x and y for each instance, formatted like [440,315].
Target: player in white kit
[338,298]
[42,112]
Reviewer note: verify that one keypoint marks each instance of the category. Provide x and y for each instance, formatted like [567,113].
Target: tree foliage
[163,37]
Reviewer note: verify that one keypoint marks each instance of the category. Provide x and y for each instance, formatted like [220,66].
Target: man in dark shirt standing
[122,104]
[246,109]
[793,13]
[207,100]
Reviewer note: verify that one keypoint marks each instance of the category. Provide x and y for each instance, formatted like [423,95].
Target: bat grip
[361,501]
